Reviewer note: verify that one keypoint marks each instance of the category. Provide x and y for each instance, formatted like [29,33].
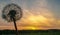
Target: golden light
[35,22]
[33,28]
[37,19]
[27,28]
[30,28]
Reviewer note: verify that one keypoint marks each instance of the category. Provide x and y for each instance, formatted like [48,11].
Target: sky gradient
[37,14]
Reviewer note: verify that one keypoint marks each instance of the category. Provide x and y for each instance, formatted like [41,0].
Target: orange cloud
[38,17]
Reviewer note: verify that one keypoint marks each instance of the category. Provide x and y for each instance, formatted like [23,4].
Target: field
[30,32]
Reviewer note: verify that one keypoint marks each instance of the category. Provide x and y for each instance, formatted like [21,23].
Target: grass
[31,32]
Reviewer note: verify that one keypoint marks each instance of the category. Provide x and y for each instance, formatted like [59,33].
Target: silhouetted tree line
[29,31]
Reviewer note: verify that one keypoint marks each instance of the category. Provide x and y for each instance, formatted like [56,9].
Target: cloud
[38,12]
[36,16]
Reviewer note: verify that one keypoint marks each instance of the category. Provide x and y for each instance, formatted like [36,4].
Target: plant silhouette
[12,12]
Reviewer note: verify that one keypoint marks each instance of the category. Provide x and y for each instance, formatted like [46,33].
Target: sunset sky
[37,15]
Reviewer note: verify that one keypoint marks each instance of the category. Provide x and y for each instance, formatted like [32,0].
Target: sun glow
[33,28]
[30,28]
[36,19]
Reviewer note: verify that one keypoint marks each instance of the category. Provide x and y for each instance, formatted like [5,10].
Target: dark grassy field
[30,32]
